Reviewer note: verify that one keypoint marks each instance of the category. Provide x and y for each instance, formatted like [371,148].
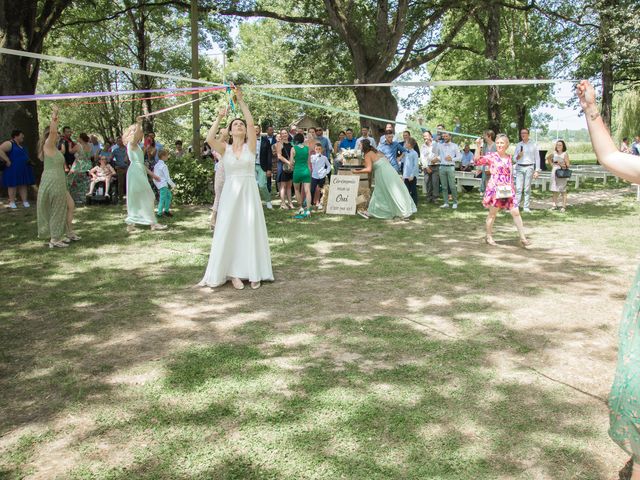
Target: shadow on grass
[268,384]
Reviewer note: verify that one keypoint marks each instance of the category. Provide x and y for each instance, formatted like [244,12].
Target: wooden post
[195,72]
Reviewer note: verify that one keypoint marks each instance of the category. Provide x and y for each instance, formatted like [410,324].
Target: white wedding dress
[240,246]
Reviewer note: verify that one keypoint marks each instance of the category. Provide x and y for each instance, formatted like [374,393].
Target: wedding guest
[95,148]
[285,167]
[336,145]
[17,175]
[300,157]
[218,183]
[140,196]
[364,135]
[500,193]
[390,197]
[447,154]
[559,160]
[430,168]
[466,162]
[78,176]
[320,168]
[489,146]
[624,399]
[161,171]
[526,157]
[66,146]
[179,152]
[392,150]
[240,246]
[410,169]
[54,206]
[348,141]
[121,163]
[103,172]
[264,166]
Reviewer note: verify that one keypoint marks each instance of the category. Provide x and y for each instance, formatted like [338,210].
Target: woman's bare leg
[517,219]
[71,206]
[491,218]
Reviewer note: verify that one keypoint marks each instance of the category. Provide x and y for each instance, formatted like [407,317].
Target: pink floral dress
[500,169]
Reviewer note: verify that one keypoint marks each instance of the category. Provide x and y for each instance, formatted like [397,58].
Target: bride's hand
[586,95]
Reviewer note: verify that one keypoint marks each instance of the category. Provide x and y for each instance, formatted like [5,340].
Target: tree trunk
[521,117]
[376,102]
[195,73]
[18,76]
[607,43]
[141,54]
[492,47]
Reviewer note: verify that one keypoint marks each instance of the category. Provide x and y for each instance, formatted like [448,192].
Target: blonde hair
[503,135]
[127,136]
[43,138]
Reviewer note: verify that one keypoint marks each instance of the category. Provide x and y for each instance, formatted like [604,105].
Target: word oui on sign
[343,193]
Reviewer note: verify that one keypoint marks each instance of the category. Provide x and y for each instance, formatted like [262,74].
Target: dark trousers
[316,183]
[412,186]
[121,172]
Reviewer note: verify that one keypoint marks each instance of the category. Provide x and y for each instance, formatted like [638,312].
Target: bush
[193,178]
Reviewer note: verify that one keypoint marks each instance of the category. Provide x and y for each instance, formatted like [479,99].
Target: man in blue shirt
[391,149]
[349,141]
[466,164]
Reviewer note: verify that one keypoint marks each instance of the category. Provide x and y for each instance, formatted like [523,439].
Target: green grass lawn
[383,350]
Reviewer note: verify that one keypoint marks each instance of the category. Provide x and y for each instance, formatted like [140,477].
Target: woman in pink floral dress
[499,193]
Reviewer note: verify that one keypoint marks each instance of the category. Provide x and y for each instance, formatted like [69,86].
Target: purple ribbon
[71,96]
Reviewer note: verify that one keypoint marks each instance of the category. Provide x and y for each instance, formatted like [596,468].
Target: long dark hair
[245,129]
[367,147]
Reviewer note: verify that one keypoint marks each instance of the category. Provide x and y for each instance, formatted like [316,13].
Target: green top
[301,158]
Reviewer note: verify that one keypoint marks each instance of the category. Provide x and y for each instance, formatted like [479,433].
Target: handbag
[504,191]
[563,173]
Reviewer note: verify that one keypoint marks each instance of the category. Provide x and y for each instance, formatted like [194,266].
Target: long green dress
[624,399]
[301,173]
[78,178]
[390,196]
[140,197]
[52,199]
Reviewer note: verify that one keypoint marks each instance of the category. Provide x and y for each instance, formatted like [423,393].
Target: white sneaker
[12,205]
[446,205]
[455,205]
[269,206]
[26,204]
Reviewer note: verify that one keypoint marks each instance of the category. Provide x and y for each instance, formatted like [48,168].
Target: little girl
[103,172]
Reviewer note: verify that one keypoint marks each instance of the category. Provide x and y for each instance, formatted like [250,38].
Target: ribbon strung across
[256,88]
[72,96]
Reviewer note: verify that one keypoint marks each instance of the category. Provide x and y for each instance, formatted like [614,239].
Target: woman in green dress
[140,197]
[300,157]
[78,177]
[390,197]
[55,205]
[624,399]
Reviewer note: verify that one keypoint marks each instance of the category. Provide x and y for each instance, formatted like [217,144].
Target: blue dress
[20,172]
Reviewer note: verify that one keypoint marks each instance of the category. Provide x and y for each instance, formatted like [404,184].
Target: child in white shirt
[320,168]
[160,169]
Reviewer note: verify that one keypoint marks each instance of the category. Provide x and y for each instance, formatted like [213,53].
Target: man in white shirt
[526,157]
[448,153]
[430,168]
[364,133]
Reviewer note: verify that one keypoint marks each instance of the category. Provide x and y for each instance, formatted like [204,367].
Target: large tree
[24,26]
[385,39]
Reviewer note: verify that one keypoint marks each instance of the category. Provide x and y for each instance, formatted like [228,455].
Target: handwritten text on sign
[343,194]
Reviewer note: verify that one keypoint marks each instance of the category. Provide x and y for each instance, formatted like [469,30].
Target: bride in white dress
[240,247]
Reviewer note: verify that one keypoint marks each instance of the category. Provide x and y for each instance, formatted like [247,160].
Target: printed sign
[343,193]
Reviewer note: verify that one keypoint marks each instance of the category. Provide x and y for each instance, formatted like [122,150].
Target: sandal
[525,243]
[57,244]
[237,283]
[74,237]
[255,285]
[158,226]
[490,241]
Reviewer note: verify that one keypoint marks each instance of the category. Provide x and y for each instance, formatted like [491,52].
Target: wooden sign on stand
[343,194]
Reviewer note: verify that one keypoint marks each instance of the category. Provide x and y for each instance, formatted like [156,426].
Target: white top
[161,170]
[443,150]
[371,139]
[320,166]
[530,155]
[427,155]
